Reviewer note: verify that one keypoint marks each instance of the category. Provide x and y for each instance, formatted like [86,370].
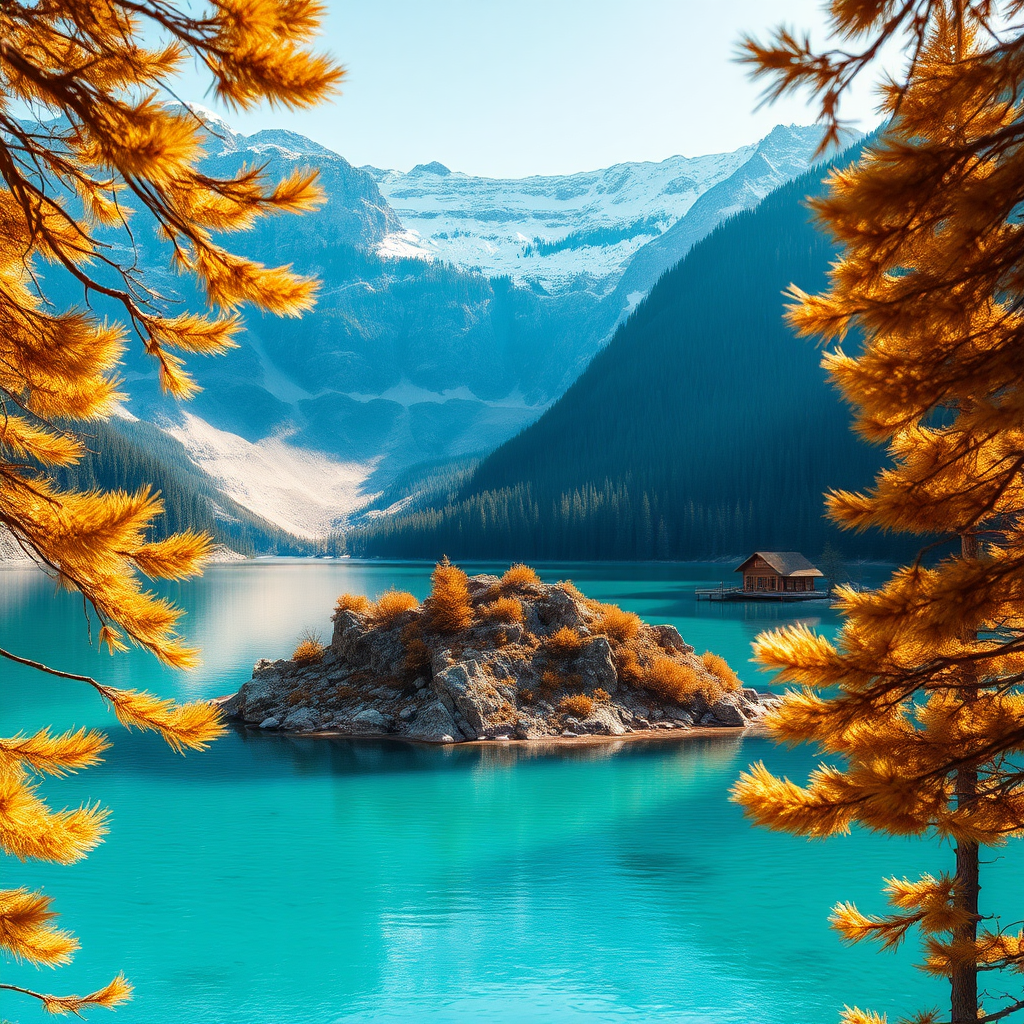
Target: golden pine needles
[448,608]
[618,625]
[565,642]
[672,680]
[518,578]
[721,670]
[918,701]
[357,603]
[504,609]
[577,704]
[391,606]
[91,72]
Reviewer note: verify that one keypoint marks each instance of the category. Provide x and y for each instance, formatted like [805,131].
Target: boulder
[229,705]
[387,652]
[603,720]
[668,639]
[559,609]
[464,688]
[370,720]
[349,639]
[728,711]
[270,723]
[433,724]
[480,585]
[596,665]
[259,697]
[299,720]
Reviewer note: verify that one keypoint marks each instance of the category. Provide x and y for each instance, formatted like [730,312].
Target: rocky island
[491,658]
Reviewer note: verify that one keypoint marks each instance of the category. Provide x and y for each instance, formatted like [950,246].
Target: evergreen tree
[92,71]
[702,403]
[918,705]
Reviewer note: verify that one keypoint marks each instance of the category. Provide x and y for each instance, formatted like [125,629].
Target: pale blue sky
[517,87]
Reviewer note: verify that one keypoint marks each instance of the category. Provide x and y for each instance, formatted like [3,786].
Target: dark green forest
[127,455]
[703,429]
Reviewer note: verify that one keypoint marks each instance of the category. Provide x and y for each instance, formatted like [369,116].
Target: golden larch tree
[86,137]
[918,705]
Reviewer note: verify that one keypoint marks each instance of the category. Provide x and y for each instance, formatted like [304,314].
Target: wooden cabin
[778,572]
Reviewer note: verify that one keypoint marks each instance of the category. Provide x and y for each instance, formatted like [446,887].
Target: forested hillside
[703,429]
[131,454]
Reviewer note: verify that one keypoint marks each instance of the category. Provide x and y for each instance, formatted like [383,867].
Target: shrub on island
[493,657]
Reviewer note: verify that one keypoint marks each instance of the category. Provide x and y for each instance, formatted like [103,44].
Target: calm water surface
[285,881]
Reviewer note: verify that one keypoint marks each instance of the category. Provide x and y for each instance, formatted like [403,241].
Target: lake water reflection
[274,880]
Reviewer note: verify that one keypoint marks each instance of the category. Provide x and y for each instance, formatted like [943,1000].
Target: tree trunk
[964,981]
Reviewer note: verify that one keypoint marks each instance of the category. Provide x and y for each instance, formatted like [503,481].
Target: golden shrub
[673,680]
[391,606]
[578,704]
[526,696]
[417,656]
[627,663]
[448,609]
[519,577]
[352,603]
[601,696]
[564,642]
[297,696]
[721,670]
[504,609]
[550,682]
[618,625]
[309,650]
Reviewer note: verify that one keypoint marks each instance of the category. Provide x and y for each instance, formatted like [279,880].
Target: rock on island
[490,657]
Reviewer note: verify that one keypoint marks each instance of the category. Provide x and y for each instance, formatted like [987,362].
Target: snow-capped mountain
[406,363]
[570,231]
[785,153]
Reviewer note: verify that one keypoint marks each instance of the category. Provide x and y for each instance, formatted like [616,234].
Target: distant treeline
[704,428]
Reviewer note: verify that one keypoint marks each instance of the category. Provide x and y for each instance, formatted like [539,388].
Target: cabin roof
[785,563]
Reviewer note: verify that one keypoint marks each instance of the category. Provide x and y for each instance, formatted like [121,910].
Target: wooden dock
[724,593]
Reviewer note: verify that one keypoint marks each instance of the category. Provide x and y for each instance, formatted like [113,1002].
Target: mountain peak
[434,167]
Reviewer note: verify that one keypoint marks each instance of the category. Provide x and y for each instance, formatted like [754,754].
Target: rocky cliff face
[534,661]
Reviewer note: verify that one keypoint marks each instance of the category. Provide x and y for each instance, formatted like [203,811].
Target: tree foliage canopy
[86,139]
[918,705]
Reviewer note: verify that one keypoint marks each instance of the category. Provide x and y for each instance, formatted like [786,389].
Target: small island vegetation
[489,657]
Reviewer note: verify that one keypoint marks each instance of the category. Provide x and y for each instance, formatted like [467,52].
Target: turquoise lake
[284,881]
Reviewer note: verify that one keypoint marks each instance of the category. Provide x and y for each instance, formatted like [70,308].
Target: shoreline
[581,740]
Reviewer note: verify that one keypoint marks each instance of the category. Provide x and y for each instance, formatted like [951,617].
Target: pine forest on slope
[410,369]
[704,428]
[407,361]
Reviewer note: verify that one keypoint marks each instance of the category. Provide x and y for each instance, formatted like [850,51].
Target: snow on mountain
[302,491]
[548,230]
[783,154]
[564,232]
[410,362]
